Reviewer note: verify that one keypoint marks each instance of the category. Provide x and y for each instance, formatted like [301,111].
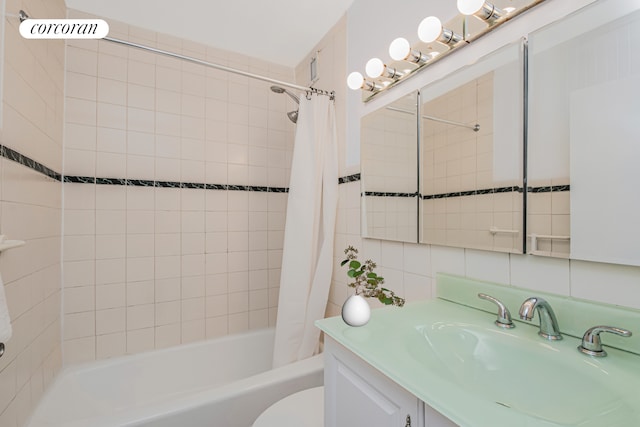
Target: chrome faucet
[591,343]
[548,323]
[504,317]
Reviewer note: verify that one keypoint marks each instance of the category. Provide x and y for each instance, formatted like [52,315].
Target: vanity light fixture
[356,81]
[381,77]
[431,30]
[376,68]
[400,50]
[481,9]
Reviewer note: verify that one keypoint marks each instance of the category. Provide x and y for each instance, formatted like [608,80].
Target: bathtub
[224,382]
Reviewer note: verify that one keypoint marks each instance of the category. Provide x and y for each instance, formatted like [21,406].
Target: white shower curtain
[307,256]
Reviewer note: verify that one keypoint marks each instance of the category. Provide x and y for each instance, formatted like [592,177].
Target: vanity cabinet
[358,395]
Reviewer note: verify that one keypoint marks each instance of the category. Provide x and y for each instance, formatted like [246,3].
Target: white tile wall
[30,210]
[155,267]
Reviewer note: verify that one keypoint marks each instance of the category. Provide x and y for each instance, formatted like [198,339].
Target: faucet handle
[504,317]
[591,343]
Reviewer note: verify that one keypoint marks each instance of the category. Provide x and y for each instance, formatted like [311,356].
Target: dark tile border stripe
[544,189]
[167,184]
[111,181]
[11,154]
[553,188]
[193,185]
[140,183]
[512,189]
[384,194]
[349,178]
[79,179]
[15,156]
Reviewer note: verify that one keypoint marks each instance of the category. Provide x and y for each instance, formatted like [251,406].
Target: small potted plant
[367,283]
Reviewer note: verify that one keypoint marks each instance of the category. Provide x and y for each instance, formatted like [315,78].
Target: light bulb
[375,68]
[470,7]
[355,80]
[480,8]
[429,29]
[399,49]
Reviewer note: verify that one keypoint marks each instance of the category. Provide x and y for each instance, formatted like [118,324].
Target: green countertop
[394,343]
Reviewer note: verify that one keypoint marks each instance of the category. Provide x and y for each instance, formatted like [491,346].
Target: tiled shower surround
[174,205]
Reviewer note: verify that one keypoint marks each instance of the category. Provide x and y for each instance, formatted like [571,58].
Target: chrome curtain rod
[309,90]
[474,128]
[221,67]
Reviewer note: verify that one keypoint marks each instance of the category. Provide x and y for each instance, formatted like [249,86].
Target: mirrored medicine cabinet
[445,165]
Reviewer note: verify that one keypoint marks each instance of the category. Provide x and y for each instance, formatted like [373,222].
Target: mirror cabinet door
[583,148]
[389,199]
[471,150]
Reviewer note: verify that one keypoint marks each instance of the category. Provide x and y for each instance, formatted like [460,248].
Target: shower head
[278,89]
[293,116]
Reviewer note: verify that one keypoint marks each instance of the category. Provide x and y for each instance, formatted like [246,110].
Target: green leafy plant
[366,281]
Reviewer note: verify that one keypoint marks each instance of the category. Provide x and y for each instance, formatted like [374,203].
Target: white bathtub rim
[195,398]
[128,358]
[149,412]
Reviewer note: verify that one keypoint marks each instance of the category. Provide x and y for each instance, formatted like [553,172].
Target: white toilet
[302,409]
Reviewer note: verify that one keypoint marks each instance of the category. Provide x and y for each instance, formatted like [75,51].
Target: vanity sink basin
[449,354]
[550,383]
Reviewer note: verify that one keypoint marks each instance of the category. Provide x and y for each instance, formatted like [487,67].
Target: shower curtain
[307,256]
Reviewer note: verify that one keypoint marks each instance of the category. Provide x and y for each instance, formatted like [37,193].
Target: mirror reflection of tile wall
[389,172]
[471,181]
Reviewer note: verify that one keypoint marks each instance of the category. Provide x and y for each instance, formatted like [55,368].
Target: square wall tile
[140,317]
[79,350]
[489,266]
[168,313]
[168,335]
[79,325]
[447,260]
[110,246]
[540,273]
[111,345]
[608,283]
[110,321]
[140,340]
[79,299]
[110,296]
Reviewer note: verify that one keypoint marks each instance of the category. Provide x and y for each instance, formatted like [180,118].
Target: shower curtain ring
[309,95]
